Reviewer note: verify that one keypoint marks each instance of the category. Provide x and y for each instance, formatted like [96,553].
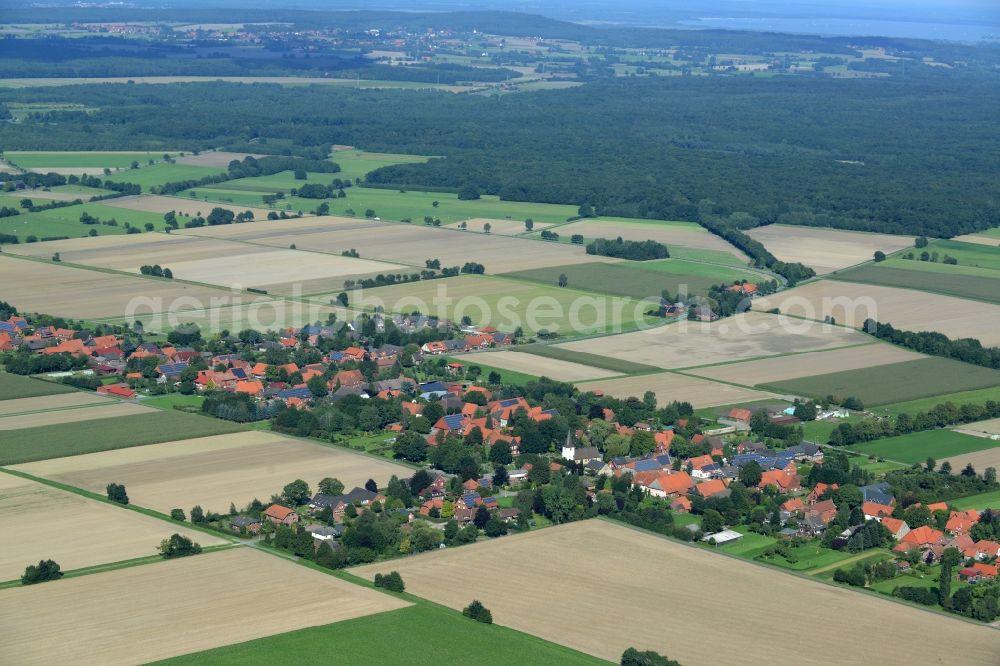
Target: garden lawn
[421,634]
[917,447]
[70,439]
[749,547]
[810,556]
[172,400]
[641,279]
[894,382]
[17,386]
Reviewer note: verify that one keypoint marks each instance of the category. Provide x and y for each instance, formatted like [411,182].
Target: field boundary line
[781,355]
[100,403]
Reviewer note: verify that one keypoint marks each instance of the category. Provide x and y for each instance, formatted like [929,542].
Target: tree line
[967,350]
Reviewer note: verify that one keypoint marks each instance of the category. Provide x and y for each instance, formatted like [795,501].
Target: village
[493,458]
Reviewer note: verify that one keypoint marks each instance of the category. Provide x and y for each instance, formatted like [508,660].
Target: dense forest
[915,155]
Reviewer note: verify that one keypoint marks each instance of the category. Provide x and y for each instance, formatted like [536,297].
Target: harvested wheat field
[979,239]
[214,471]
[669,386]
[979,460]
[782,368]
[987,428]
[85,294]
[74,531]
[218,158]
[825,250]
[504,227]
[744,336]
[50,195]
[687,234]
[406,243]
[106,411]
[153,203]
[666,593]
[563,371]
[47,402]
[148,612]
[221,263]
[851,303]
[261,314]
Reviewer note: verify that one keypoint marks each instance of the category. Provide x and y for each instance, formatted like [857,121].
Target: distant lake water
[971,32]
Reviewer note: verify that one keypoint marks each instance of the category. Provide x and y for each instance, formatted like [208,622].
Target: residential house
[875,511]
[116,390]
[960,522]
[712,488]
[281,515]
[920,538]
[251,525]
[898,528]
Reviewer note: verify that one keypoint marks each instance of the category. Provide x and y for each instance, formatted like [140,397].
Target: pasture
[825,250]
[409,244]
[110,410]
[564,371]
[436,635]
[850,303]
[215,471]
[670,591]
[158,174]
[80,293]
[915,448]
[503,303]
[961,281]
[221,263]
[358,163]
[89,532]
[73,438]
[145,613]
[982,501]
[97,161]
[394,204]
[741,337]
[977,396]
[669,386]
[642,279]
[670,233]
[792,366]
[895,382]
[183,207]
[16,386]
[66,222]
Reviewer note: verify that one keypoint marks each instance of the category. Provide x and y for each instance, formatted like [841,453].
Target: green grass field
[358,163]
[917,447]
[497,301]
[70,439]
[98,160]
[989,500]
[810,556]
[750,546]
[976,396]
[390,204]
[65,221]
[423,634]
[983,285]
[149,176]
[640,279]
[16,386]
[585,358]
[895,382]
[172,400]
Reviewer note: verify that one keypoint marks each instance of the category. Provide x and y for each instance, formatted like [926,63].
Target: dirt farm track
[579,584]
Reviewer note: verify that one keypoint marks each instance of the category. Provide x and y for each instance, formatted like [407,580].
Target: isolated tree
[331,486]
[342,298]
[391,581]
[750,474]
[487,228]
[478,612]
[921,241]
[529,224]
[43,571]
[931,464]
[197,514]
[116,493]
[178,545]
[879,255]
[177,514]
[482,517]
[371,486]
[563,280]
